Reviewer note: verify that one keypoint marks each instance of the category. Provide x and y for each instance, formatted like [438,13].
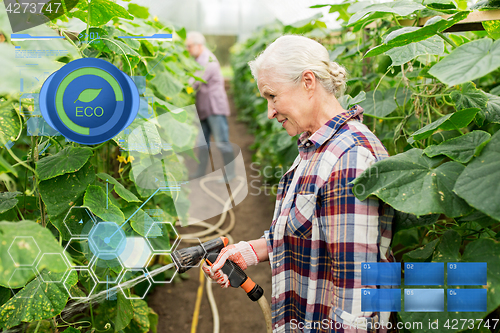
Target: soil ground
[174,303]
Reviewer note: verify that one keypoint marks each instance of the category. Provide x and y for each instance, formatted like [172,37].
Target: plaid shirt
[320,237]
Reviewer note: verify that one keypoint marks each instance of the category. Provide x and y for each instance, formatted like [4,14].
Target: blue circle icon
[89,101]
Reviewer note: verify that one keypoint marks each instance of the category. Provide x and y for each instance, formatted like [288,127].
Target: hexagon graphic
[79,221]
[48,263]
[20,274]
[107,240]
[106,271]
[86,278]
[188,242]
[161,274]
[136,253]
[24,251]
[78,247]
[162,237]
[130,278]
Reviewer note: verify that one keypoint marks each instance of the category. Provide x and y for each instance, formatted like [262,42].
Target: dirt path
[175,303]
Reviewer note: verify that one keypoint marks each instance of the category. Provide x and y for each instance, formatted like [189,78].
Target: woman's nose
[271,112]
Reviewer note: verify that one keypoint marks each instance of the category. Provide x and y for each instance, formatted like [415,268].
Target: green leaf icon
[88,95]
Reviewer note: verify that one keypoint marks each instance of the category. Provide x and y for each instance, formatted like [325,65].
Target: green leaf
[468,62]
[101,12]
[421,254]
[88,95]
[410,182]
[5,167]
[492,28]
[118,312]
[71,330]
[403,54]
[10,126]
[338,51]
[445,6]
[62,192]
[119,188]
[451,121]
[36,301]
[404,221]
[481,250]
[449,247]
[167,84]
[468,96]
[138,11]
[492,111]
[95,199]
[402,8]
[68,160]
[26,240]
[8,200]
[478,184]
[346,101]
[461,149]
[140,321]
[179,134]
[380,104]
[153,321]
[407,35]
[120,47]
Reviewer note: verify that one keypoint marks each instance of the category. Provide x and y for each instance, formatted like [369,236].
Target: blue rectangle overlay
[375,300]
[466,273]
[381,273]
[424,300]
[466,300]
[424,274]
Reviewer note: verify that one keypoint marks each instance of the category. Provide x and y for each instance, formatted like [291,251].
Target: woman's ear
[309,81]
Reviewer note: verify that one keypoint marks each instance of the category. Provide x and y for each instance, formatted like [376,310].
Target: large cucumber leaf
[36,301]
[478,183]
[68,160]
[468,62]
[140,321]
[118,312]
[101,12]
[461,149]
[414,183]
[403,54]
[407,35]
[401,8]
[95,199]
[451,121]
[119,188]
[25,242]
[62,192]
[8,200]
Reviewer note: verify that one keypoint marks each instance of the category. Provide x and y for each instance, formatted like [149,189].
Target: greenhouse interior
[250,166]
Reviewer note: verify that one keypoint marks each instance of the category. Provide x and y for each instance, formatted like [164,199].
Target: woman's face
[287,102]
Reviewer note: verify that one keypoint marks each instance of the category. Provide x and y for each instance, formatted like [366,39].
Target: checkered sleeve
[350,228]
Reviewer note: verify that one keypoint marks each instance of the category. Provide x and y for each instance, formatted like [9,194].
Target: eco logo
[89,101]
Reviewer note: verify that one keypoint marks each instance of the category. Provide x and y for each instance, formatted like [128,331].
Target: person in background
[211,103]
[320,233]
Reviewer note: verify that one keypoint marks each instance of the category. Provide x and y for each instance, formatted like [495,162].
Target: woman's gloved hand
[242,254]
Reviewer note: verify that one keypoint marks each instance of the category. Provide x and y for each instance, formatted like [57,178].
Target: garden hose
[207,235]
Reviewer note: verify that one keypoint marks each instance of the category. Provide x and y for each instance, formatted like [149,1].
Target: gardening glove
[242,254]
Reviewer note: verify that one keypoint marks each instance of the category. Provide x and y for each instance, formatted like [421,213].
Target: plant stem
[88,21]
[38,326]
[448,40]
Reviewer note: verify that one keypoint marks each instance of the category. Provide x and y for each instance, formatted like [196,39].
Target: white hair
[289,56]
[196,38]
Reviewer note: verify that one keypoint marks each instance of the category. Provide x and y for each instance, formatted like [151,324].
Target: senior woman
[320,233]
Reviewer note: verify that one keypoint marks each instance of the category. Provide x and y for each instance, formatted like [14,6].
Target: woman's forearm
[260,247]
